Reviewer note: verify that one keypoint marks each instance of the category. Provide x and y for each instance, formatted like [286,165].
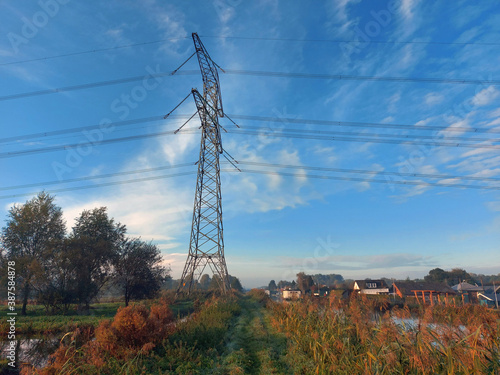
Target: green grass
[38,322]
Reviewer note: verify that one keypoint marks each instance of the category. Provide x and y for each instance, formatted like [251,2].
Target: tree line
[59,269]
[305,283]
[206,283]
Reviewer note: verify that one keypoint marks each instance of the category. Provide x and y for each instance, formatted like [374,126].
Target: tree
[31,230]
[215,283]
[139,272]
[235,283]
[94,249]
[272,286]
[457,275]
[51,282]
[283,284]
[304,282]
[437,275]
[205,282]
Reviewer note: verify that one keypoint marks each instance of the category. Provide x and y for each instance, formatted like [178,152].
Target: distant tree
[215,283]
[328,280]
[138,270]
[272,286]
[31,230]
[94,249]
[235,283]
[452,277]
[205,282]
[284,284]
[457,275]
[437,275]
[304,282]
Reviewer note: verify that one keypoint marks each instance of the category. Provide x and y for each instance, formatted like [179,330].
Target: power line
[260,164]
[89,85]
[304,134]
[85,128]
[89,178]
[357,41]
[253,73]
[100,185]
[260,119]
[286,174]
[352,41]
[383,135]
[360,179]
[365,140]
[341,77]
[92,51]
[84,144]
[364,171]
[364,124]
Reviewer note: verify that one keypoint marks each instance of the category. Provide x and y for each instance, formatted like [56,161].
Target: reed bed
[362,336]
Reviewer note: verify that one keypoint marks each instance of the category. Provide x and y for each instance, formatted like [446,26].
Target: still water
[32,350]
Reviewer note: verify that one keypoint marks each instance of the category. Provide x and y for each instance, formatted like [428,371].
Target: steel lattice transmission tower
[206,246]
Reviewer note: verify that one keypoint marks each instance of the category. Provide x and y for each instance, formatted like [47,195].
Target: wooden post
[423,297]
[416,296]
[430,297]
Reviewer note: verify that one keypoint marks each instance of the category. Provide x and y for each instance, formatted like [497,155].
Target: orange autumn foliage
[134,330]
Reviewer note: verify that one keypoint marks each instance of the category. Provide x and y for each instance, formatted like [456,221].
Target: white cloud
[407,9]
[495,113]
[485,96]
[326,153]
[433,98]
[493,206]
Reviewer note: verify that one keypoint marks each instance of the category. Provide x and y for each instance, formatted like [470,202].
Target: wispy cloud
[485,96]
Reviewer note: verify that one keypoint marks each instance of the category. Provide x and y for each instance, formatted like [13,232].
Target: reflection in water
[33,351]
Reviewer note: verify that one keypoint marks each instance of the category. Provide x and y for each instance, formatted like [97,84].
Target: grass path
[254,347]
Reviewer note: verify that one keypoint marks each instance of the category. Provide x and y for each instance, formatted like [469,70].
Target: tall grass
[346,337]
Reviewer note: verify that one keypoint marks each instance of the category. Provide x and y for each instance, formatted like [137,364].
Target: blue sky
[275,225]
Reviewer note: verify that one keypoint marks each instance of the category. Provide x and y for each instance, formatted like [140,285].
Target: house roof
[362,284]
[466,287]
[408,287]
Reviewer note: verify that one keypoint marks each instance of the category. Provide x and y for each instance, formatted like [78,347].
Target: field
[253,335]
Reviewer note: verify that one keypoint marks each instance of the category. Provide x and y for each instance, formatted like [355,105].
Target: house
[468,290]
[371,287]
[291,294]
[490,296]
[423,291]
[321,291]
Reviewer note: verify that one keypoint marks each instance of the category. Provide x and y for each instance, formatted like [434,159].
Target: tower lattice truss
[206,245]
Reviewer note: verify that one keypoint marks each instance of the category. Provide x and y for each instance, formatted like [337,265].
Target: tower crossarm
[209,120]
[211,86]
